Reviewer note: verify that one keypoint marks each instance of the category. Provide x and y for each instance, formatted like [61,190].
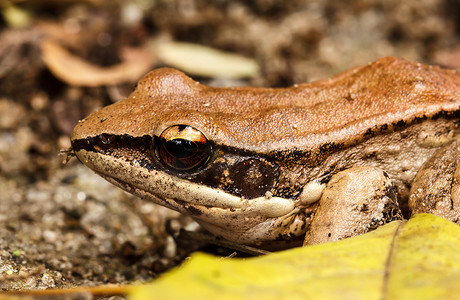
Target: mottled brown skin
[289,145]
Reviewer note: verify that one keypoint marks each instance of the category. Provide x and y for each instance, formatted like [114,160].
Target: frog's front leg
[436,188]
[355,201]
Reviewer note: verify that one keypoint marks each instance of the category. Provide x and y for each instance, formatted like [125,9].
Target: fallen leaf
[425,261]
[77,72]
[419,259]
[204,61]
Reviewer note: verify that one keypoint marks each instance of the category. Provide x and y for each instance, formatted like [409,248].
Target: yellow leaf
[426,260]
[416,260]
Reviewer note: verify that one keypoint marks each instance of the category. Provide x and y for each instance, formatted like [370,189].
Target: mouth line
[261,207]
[174,204]
[158,185]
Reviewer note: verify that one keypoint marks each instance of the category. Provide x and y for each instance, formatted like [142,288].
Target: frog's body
[276,164]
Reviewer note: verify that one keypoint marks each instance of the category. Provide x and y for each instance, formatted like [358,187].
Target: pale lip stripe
[166,186]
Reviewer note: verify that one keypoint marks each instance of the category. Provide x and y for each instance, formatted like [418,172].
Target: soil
[63,226]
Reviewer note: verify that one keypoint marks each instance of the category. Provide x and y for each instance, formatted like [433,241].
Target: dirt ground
[63,226]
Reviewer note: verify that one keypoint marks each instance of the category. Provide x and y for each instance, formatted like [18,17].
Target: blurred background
[61,225]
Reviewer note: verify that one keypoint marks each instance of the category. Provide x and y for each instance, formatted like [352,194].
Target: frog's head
[197,150]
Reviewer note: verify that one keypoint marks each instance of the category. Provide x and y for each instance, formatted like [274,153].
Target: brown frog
[317,162]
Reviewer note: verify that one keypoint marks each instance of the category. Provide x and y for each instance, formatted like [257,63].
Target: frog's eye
[183,148]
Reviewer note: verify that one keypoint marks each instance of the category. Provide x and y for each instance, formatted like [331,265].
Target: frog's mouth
[219,211]
[157,184]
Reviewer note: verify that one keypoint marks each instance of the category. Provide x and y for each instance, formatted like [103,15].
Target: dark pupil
[183,154]
[180,148]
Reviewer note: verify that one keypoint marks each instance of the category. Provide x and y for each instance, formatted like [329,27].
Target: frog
[289,166]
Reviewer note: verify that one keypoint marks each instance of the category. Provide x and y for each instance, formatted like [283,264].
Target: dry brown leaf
[78,72]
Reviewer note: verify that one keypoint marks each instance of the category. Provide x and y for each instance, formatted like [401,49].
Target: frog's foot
[355,201]
[436,188]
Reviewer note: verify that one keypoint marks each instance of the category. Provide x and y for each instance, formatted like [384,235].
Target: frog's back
[386,92]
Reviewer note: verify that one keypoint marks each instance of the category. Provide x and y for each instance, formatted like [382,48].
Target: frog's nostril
[103,140]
